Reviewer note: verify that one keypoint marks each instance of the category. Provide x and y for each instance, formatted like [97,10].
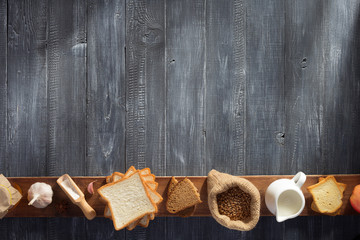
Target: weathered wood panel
[27,93]
[67,87]
[265,87]
[306,25]
[225,84]
[185,76]
[340,87]
[3,84]
[146,86]
[106,88]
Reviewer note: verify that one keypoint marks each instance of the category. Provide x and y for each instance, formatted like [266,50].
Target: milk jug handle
[299,179]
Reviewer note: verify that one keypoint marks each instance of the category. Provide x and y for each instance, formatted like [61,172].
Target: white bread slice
[145,171]
[149,177]
[342,186]
[128,200]
[113,176]
[132,225]
[117,177]
[153,185]
[108,179]
[154,195]
[327,195]
[130,171]
[144,222]
[151,189]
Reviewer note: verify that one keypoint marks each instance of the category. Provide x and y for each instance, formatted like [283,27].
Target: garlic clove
[90,187]
[40,195]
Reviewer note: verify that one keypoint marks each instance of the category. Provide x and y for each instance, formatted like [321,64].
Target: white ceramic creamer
[284,197]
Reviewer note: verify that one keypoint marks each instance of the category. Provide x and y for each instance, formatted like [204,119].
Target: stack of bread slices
[131,198]
[327,195]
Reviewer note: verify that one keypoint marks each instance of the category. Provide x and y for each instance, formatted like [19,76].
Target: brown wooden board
[62,206]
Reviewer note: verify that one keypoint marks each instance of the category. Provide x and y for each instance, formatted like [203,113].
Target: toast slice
[315,209]
[342,187]
[128,200]
[327,195]
[183,195]
[187,212]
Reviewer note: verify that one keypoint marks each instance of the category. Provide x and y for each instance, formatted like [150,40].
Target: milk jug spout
[279,217]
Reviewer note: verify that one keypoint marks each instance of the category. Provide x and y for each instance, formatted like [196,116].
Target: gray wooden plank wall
[246,87]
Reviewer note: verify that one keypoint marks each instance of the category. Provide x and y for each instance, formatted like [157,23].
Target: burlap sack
[220,182]
[9,196]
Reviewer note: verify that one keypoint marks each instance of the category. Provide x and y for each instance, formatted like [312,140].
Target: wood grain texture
[62,206]
[265,103]
[146,87]
[67,49]
[340,89]
[3,84]
[186,79]
[106,88]
[222,101]
[27,95]
[305,67]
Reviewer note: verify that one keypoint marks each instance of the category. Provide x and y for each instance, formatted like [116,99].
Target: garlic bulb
[40,195]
